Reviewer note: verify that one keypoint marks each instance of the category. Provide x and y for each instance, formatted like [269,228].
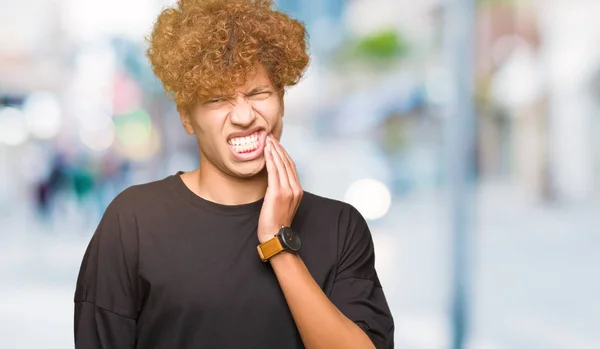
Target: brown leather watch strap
[269,249]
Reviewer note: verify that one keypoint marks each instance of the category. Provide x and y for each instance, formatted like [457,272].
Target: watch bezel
[295,244]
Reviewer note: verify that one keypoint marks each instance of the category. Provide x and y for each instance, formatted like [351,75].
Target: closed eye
[262,94]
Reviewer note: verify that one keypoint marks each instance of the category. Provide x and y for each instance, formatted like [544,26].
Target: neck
[213,185]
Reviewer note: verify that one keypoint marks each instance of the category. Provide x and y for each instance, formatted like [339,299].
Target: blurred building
[538,109]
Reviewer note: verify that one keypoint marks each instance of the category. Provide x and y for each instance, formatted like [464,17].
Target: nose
[242,113]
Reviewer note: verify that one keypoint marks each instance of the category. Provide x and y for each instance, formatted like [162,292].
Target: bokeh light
[370,197]
[13,128]
[138,140]
[99,137]
[43,115]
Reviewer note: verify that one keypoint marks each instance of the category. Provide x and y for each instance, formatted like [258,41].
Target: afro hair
[201,47]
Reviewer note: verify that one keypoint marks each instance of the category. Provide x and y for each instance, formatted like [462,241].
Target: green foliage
[374,50]
[387,44]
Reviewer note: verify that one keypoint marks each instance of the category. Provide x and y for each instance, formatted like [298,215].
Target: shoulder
[342,215]
[317,202]
[349,230]
[129,208]
[328,206]
[119,225]
[139,196]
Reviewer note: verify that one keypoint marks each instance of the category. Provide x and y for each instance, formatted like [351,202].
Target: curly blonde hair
[201,47]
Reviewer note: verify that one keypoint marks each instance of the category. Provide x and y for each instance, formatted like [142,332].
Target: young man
[234,254]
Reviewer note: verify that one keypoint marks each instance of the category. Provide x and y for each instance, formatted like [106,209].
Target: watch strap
[270,248]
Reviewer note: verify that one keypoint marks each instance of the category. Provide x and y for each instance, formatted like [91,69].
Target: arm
[320,323]
[105,312]
[356,314]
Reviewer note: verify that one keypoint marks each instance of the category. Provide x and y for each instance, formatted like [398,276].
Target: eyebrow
[253,91]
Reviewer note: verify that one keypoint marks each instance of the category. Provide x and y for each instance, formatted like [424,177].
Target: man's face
[231,133]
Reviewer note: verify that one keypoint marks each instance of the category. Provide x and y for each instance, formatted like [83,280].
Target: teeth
[244,144]
[244,140]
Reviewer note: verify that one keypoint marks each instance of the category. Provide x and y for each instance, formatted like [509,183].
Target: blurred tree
[381,47]
[384,45]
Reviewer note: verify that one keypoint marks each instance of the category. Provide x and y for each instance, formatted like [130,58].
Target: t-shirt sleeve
[356,291]
[105,302]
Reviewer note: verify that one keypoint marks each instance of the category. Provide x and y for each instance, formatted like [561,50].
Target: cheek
[212,147]
[277,130]
[210,137]
[272,112]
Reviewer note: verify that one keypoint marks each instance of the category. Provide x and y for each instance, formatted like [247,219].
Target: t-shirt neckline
[231,210]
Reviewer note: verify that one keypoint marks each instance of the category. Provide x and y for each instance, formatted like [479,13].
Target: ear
[186,121]
[281,102]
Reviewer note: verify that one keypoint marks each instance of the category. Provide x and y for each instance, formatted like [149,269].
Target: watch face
[290,239]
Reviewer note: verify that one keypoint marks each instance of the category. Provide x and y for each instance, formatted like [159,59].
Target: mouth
[249,146]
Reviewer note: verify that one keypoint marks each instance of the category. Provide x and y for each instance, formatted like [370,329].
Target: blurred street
[385,119]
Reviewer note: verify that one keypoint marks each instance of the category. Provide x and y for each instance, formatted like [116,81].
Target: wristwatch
[285,240]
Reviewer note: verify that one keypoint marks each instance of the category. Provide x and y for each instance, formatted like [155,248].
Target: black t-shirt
[169,269]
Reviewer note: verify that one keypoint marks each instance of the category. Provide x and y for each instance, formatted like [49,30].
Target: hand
[283,191]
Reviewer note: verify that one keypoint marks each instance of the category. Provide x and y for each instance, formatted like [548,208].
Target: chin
[247,170]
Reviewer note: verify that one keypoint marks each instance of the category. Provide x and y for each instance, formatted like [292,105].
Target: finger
[297,191]
[283,177]
[286,162]
[291,164]
[295,182]
[272,174]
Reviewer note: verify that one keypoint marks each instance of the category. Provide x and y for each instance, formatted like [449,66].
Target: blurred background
[467,133]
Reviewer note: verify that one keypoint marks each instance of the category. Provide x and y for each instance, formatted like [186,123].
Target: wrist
[284,257]
[285,239]
[262,238]
[266,234]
